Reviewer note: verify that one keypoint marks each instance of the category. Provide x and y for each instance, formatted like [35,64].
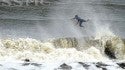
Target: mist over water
[55,20]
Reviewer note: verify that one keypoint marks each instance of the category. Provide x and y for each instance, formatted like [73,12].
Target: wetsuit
[80,21]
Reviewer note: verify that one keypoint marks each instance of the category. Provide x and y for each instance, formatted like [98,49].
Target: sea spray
[110,40]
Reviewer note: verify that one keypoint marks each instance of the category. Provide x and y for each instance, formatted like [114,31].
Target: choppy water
[48,37]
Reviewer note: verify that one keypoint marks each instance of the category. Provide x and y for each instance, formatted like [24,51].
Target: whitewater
[40,35]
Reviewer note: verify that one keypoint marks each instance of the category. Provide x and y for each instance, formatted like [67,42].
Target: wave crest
[65,49]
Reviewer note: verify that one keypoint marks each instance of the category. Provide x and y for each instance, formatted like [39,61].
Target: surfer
[79,20]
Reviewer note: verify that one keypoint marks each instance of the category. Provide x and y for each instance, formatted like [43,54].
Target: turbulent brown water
[108,47]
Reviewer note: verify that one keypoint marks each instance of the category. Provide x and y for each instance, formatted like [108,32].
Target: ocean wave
[63,49]
[42,51]
[26,2]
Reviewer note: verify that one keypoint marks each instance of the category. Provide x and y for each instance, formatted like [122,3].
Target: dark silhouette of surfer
[79,20]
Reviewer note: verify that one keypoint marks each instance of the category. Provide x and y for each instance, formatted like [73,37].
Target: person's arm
[74,18]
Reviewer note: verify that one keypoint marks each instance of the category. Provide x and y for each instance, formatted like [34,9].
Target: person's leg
[80,24]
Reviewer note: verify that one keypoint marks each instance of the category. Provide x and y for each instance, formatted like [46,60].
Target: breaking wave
[63,49]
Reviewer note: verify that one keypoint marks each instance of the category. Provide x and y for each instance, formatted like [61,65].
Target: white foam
[34,50]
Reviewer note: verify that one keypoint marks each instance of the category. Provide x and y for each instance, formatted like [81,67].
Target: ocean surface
[44,37]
